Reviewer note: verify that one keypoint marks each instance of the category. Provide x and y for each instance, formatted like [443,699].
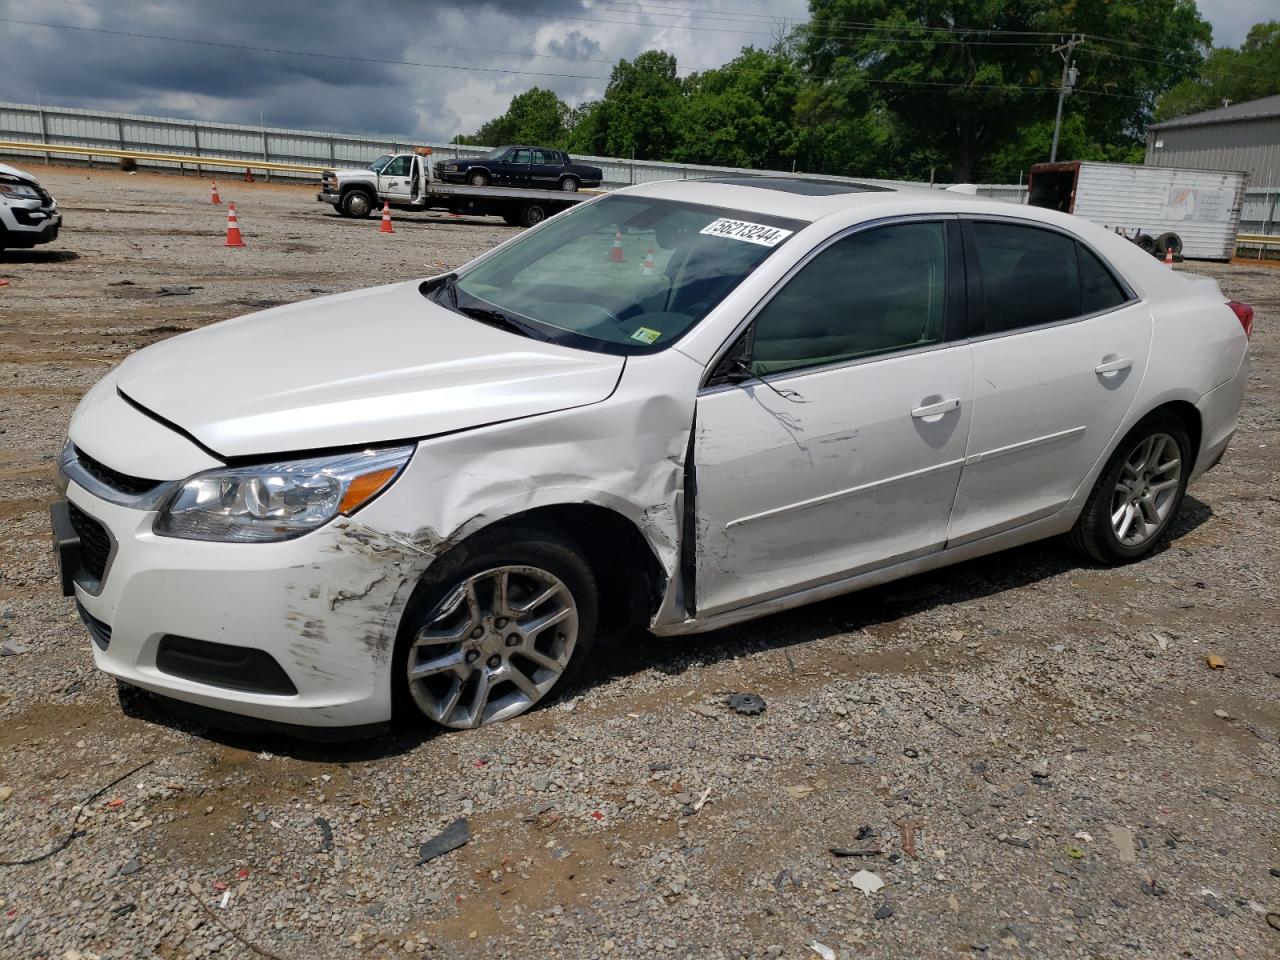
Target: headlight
[277,501]
[19,191]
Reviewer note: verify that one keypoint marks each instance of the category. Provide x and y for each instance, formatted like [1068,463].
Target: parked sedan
[680,406]
[521,166]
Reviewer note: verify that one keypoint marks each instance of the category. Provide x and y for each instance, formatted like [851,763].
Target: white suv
[28,214]
[680,406]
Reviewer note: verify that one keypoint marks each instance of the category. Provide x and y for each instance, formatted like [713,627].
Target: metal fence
[123,131]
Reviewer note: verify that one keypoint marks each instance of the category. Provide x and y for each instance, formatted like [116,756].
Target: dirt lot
[1030,752]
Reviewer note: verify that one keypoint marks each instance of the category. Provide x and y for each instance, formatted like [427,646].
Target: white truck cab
[28,214]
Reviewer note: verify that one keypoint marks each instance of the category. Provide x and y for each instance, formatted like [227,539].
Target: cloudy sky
[419,68]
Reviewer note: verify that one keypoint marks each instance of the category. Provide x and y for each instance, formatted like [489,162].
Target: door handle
[935,409]
[1113,366]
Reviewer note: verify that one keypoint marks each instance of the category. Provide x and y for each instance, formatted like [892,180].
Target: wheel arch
[631,578]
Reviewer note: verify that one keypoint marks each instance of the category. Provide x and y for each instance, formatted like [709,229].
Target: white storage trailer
[1200,207]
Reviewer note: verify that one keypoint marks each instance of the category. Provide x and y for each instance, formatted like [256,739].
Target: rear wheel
[569,184]
[532,214]
[497,626]
[479,178]
[1138,494]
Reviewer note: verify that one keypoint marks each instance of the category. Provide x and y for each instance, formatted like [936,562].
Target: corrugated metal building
[1241,136]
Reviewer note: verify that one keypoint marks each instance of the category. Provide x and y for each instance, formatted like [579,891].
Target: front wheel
[497,625]
[478,178]
[358,204]
[1138,494]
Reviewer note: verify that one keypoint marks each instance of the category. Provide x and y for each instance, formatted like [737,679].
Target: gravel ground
[1029,753]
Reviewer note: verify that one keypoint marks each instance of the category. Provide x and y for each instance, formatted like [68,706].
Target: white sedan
[680,405]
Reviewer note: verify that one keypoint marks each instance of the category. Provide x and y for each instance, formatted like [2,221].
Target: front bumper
[31,226]
[325,607]
[325,197]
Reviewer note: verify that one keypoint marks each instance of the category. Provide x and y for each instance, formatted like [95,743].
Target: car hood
[358,368]
[16,174]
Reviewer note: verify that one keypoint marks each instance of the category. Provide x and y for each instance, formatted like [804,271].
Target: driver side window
[399,167]
[873,292]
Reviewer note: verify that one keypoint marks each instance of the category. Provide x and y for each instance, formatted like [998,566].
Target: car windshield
[381,162]
[623,274]
[495,153]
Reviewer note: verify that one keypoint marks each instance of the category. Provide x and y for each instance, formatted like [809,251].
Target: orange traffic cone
[1168,256]
[233,227]
[615,252]
[386,218]
[213,193]
[648,270]
[248,175]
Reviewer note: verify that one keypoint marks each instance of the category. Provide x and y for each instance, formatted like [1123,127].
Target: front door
[395,183]
[844,449]
[515,167]
[1057,364]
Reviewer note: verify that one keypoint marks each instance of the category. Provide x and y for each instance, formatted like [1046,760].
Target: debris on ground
[326,834]
[871,851]
[178,291]
[822,950]
[11,648]
[867,882]
[1122,837]
[748,704]
[455,835]
[1215,662]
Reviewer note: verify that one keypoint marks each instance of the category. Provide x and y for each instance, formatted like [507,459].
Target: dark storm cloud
[431,89]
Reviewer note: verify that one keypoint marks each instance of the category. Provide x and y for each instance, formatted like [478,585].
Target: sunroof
[809,188]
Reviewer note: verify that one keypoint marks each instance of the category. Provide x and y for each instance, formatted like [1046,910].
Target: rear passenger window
[873,292]
[1101,292]
[1029,276]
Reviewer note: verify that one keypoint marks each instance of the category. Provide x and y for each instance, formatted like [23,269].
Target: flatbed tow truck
[404,181]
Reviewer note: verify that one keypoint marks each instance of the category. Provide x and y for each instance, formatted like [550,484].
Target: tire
[1095,535]
[536,562]
[1145,243]
[532,214]
[1169,241]
[357,203]
[341,211]
[569,184]
[479,178]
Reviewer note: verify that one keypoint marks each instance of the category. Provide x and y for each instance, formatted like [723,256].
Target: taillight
[1244,313]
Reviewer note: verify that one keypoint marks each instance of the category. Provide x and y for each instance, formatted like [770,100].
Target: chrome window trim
[782,282]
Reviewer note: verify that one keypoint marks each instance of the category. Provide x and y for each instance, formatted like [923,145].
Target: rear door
[1060,346]
[545,170]
[844,451]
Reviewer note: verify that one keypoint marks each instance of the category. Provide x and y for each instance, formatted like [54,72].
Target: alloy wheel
[495,646]
[1146,489]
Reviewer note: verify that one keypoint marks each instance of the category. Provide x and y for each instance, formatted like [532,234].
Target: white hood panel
[364,367]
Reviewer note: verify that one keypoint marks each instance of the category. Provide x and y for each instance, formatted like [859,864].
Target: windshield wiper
[503,321]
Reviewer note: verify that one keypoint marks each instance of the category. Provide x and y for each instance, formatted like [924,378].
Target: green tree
[638,112]
[1237,75]
[741,114]
[960,96]
[536,116]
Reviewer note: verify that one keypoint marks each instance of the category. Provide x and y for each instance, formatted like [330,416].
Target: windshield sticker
[645,335]
[764,235]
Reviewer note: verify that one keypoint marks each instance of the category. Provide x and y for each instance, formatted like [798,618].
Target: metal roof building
[1241,136]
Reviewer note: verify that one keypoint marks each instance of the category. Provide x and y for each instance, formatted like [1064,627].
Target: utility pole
[1069,76]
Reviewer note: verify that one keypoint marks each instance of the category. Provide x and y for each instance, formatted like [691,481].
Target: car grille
[114,479]
[95,544]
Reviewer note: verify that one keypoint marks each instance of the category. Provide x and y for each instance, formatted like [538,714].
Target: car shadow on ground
[37,256]
[614,658]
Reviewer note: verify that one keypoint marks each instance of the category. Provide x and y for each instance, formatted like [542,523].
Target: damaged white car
[681,406]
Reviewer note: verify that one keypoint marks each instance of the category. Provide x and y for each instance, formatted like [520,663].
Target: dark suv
[520,165]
